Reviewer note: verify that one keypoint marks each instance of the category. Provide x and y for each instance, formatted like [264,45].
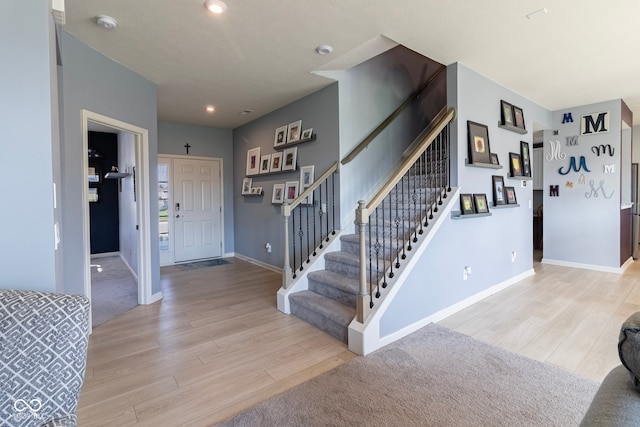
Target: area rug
[433,377]
[202,264]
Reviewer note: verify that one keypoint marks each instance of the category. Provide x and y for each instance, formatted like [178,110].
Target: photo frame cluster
[281,161]
[511,115]
[473,204]
[290,190]
[291,133]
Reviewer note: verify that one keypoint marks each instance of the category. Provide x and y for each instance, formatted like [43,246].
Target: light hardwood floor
[216,344]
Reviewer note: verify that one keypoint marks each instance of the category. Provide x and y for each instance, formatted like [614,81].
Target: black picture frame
[525,155]
[478,143]
[510,195]
[515,164]
[494,159]
[480,203]
[506,113]
[497,184]
[518,117]
[467,206]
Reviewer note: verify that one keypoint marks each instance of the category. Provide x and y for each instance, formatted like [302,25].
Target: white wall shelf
[458,215]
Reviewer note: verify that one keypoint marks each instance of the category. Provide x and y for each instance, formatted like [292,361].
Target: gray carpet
[433,377]
[202,264]
[114,290]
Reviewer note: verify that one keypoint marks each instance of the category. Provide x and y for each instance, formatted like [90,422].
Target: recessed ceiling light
[106,22]
[324,49]
[215,6]
[210,109]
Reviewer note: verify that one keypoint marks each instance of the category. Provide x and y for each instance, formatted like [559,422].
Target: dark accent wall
[104,220]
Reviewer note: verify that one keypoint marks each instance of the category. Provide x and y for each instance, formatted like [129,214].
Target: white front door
[197,209]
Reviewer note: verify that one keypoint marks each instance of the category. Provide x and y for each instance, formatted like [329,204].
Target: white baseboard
[155,297]
[259,263]
[124,261]
[593,267]
[229,255]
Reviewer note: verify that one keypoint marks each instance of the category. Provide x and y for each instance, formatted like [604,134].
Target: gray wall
[206,142]
[257,221]
[369,93]
[94,82]
[28,106]
[485,243]
[127,209]
[578,229]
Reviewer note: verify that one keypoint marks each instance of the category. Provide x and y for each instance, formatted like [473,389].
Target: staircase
[330,302]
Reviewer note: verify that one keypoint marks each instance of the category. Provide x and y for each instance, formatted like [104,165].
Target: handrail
[295,202]
[441,120]
[382,126]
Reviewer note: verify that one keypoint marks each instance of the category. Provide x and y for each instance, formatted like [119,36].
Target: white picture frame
[253,161]
[281,136]
[293,131]
[276,162]
[277,197]
[306,179]
[306,134]
[289,159]
[246,186]
[265,163]
[291,190]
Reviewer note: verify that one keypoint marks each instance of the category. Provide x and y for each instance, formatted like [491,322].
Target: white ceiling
[260,54]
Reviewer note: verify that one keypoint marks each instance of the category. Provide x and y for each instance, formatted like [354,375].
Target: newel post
[286,269]
[363,300]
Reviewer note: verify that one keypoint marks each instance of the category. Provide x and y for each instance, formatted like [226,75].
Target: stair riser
[338,331]
[390,248]
[331,292]
[350,270]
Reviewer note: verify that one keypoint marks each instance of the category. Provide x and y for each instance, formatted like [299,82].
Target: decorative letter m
[595,123]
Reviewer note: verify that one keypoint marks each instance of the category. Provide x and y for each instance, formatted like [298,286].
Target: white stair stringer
[365,337]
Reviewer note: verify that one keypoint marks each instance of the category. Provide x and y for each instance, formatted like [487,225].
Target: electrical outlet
[514,255]
[466,273]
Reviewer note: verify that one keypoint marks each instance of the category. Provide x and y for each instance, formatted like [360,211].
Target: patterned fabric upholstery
[43,354]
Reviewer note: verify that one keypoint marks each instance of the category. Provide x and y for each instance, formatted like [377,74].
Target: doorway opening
[142,244]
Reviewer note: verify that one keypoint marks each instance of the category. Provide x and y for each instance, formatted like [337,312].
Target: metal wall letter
[572,140]
[567,118]
[609,168]
[594,123]
[572,165]
[554,190]
[556,151]
[602,149]
[594,191]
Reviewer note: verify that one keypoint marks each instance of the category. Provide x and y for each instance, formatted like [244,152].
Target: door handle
[178,216]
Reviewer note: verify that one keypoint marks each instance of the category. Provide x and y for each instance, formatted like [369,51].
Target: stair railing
[392,220]
[315,208]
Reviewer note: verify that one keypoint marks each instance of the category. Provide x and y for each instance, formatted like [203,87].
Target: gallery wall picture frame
[276,162]
[256,190]
[291,190]
[506,113]
[478,143]
[515,164]
[277,197]
[525,155]
[307,133]
[293,132]
[466,204]
[494,159]
[518,117]
[289,159]
[265,163]
[480,203]
[246,186]
[281,137]
[510,194]
[306,179]
[253,161]
[497,184]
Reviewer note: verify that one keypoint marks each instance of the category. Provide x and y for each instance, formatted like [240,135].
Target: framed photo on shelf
[307,133]
[265,163]
[480,203]
[291,190]
[293,132]
[253,161]
[526,158]
[276,162]
[466,204]
[518,117]
[256,190]
[479,149]
[515,164]
[494,159]
[246,186]
[281,136]
[278,194]
[510,193]
[497,182]
[290,156]
[306,179]
[506,113]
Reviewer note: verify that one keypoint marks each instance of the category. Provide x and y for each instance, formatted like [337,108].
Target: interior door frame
[143,205]
[170,157]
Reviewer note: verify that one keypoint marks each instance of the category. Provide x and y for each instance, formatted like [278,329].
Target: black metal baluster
[301,235]
[293,244]
[306,208]
[448,153]
[440,168]
[404,229]
[414,198]
[409,200]
[384,249]
[333,203]
[376,247]
[421,191]
[429,186]
[321,213]
[370,244]
[315,232]
[397,221]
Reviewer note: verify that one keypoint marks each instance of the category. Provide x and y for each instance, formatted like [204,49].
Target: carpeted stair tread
[323,313]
